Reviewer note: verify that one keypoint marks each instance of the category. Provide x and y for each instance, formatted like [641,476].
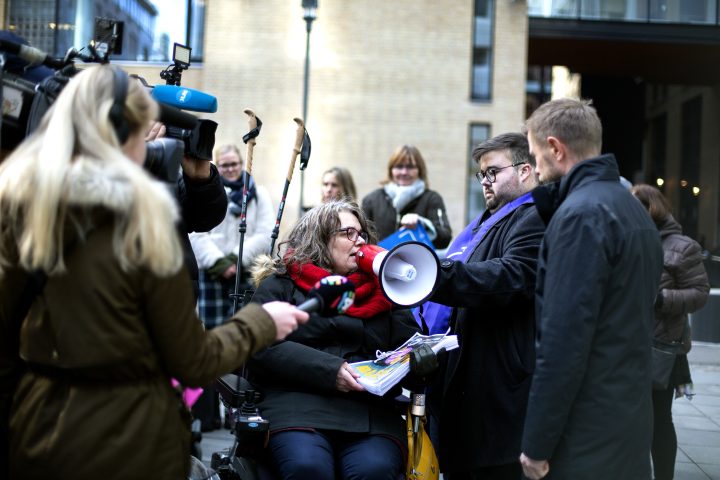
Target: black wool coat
[590,410]
[297,376]
[486,386]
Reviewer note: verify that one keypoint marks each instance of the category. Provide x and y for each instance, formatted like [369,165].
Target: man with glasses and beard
[486,294]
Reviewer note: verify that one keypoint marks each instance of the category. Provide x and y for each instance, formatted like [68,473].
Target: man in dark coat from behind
[486,288]
[589,413]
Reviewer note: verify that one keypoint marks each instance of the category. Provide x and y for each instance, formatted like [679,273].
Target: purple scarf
[437,316]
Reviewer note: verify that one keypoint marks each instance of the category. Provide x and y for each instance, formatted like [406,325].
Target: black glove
[424,365]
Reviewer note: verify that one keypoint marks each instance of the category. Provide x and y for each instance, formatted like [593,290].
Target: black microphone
[331,295]
[176,117]
[31,55]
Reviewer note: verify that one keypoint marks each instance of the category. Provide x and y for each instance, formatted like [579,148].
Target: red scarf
[369,298]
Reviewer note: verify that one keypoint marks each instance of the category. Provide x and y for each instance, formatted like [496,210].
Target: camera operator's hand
[346,379]
[193,168]
[286,317]
[156,131]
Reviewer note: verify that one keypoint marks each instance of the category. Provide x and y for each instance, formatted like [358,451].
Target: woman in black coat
[405,200]
[684,288]
[322,421]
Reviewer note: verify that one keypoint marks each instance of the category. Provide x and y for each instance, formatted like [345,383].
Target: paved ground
[697,422]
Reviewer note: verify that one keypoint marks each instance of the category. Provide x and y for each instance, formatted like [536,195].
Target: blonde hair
[345,179]
[76,150]
[223,149]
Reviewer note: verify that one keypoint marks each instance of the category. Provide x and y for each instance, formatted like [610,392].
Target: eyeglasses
[491,173]
[405,167]
[228,166]
[352,234]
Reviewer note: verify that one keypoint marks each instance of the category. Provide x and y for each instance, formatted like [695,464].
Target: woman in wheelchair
[323,425]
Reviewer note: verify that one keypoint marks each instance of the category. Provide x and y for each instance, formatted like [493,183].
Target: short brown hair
[653,200]
[573,122]
[407,154]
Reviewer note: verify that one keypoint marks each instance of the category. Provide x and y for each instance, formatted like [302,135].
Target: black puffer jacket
[684,286]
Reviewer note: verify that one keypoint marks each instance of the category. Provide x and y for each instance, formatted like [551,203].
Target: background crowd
[555,291]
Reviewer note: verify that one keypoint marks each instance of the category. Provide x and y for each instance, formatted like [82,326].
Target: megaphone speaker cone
[408,274]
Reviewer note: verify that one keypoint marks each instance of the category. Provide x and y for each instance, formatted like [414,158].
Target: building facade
[446,75]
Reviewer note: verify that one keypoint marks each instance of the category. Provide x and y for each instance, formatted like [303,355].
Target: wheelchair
[246,459]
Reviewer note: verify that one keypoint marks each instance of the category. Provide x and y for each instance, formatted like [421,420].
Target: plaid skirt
[215,304]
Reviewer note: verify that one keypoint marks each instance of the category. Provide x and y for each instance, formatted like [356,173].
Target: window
[476,201]
[690,187]
[685,11]
[149,31]
[547,8]
[482,50]
[670,11]
[657,154]
[538,87]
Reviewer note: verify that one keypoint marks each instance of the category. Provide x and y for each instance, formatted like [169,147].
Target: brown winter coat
[684,285]
[99,347]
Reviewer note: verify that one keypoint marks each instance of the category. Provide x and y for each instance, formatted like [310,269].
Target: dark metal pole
[306,85]
[309,15]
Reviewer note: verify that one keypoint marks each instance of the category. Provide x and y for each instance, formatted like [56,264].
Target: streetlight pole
[309,15]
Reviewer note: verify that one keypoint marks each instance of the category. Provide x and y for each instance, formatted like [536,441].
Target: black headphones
[117,118]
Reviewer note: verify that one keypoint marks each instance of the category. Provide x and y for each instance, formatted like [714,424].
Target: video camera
[32,80]
[199,139]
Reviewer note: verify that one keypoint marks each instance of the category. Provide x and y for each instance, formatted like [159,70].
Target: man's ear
[526,170]
[557,149]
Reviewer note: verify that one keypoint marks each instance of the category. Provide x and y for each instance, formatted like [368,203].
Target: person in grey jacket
[405,200]
[589,412]
[684,288]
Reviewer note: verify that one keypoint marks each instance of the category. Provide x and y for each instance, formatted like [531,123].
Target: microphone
[31,55]
[185,98]
[331,295]
[174,116]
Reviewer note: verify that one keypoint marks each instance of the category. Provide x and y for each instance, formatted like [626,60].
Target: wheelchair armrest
[234,390]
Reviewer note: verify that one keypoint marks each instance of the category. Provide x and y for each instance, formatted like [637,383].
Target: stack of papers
[380,375]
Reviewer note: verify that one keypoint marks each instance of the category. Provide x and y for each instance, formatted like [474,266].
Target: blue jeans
[327,455]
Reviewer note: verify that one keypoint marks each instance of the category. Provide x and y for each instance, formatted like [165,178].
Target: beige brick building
[382,74]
